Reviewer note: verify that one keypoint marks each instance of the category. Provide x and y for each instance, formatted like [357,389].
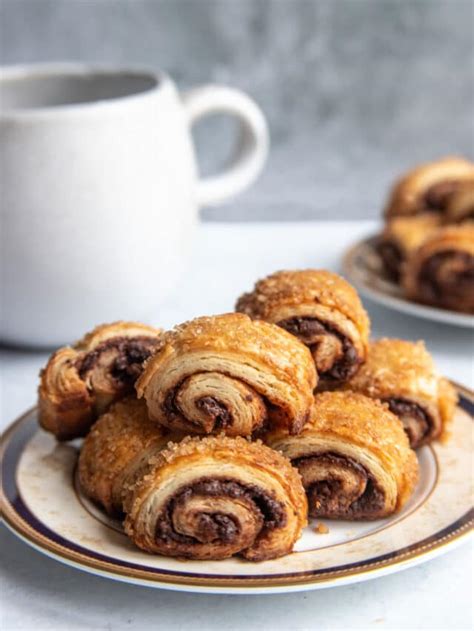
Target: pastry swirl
[428,187]
[215,497]
[403,375]
[80,382]
[228,374]
[461,205]
[441,271]
[353,456]
[322,310]
[401,236]
[116,450]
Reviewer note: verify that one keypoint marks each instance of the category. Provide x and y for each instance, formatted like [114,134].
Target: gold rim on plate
[31,530]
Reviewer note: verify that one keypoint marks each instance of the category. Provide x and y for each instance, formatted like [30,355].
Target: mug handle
[251,149]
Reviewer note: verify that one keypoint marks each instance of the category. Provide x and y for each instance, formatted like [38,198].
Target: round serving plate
[363,267]
[42,504]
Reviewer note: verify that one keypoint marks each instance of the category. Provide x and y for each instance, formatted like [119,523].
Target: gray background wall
[355,90]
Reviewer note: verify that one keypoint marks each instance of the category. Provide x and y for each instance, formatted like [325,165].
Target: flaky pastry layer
[215,497]
[115,450]
[228,374]
[441,271]
[401,236]
[428,187]
[78,383]
[322,310]
[354,457]
[403,374]
[460,208]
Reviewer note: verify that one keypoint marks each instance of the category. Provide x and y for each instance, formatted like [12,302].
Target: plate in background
[363,267]
[42,504]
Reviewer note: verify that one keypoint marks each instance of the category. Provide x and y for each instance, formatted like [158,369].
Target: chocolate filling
[464,214]
[392,258]
[437,197]
[217,526]
[306,328]
[128,365]
[468,216]
[417,423]
[215,410]
[456,285]
[326,497]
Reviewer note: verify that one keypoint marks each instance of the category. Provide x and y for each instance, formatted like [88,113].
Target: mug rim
[72,69]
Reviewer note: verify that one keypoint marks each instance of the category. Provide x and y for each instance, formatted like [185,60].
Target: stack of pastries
[220,436]
[427,244]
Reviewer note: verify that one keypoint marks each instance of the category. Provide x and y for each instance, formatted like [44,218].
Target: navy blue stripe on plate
[26,428]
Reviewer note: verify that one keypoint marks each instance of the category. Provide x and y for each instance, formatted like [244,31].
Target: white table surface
[39,593]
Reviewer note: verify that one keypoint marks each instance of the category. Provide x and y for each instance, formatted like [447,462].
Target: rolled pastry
[428,187]
[228,374]
[215,497]
[116,450]
[322,310]
[403,375]
[353,456]
[401,236]
[80,382]
[461,205]
[441,271]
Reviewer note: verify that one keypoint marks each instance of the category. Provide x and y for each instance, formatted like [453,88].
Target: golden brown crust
[354,457]
[461,204]
[401,236]
[441,271]
[415,192]
[410,232]
[214,497]
[104,332]
[400,372]
[79,383]
[299,301]
[447,402]
[228,373]
[66,407]
[112,450]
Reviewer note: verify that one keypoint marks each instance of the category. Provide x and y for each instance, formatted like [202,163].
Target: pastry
[114,451]
[441,271]
[228,374]
[80,382]
[353,456]
[401,236]
[322,310]
[428,187]
[461,205]
[403,375]
[215,497]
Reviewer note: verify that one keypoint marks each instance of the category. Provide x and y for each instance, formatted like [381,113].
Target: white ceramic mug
[100,192]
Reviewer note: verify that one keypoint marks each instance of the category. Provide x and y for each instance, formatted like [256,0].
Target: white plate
[42,504]
[363,267]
